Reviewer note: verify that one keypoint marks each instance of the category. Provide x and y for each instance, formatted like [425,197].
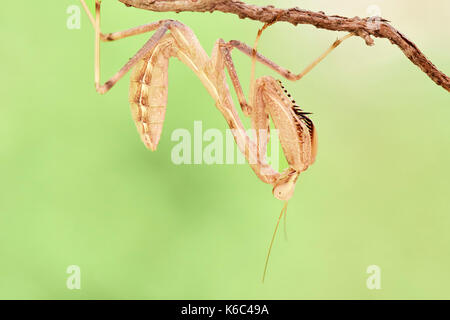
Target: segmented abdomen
[148,95]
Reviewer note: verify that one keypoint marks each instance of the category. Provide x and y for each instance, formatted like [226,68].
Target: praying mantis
[268,99]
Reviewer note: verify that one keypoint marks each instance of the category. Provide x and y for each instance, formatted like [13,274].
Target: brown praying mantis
[268,98]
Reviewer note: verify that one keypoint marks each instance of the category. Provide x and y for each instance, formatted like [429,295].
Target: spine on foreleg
[148,96]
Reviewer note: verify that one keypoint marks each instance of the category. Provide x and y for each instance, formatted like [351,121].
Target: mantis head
[284,187]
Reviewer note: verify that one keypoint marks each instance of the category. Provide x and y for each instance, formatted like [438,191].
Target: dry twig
[365,28]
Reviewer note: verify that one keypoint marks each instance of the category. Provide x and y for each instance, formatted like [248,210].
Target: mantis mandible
[268,98]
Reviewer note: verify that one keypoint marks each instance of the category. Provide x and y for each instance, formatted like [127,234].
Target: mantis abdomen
[148,94]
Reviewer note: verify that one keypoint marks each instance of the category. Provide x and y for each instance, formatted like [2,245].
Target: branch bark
[365,28]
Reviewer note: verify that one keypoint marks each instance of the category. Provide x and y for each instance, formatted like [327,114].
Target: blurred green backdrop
[79,188]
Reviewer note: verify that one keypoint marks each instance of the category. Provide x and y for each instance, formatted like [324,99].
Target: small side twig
[362,27]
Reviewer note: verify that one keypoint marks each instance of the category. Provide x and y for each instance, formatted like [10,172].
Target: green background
[77,186]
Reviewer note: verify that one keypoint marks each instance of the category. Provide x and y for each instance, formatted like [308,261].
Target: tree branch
[365,28]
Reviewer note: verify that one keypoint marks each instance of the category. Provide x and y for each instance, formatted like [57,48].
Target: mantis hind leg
[120,34]
[161,27]
[144,51]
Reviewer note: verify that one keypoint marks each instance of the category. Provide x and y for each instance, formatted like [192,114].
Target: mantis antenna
[252,86]
[283,211]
